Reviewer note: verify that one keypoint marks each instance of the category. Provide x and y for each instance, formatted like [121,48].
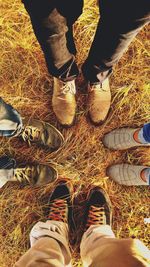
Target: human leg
[118,25]
[99,247]
[146,132]
[52,23]
[49,250]
[30,130]
[49,240]
[10,120]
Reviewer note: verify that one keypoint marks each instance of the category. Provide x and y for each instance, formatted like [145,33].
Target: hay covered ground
[26,84]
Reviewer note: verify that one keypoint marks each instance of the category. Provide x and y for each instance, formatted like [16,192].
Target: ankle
[138,136]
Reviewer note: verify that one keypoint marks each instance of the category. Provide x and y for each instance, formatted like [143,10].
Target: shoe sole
[100,123]
[67,126]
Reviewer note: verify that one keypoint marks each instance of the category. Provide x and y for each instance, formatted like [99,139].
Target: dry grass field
[26,84]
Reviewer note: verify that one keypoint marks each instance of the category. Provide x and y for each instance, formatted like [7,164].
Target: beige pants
[99,248]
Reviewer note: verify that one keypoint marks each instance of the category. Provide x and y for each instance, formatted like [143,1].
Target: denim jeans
[52,22]
[10,120]
[146,132]
[7,166]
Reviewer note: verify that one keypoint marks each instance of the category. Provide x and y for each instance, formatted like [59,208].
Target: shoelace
[18,130]
[31,134]
[96,87]
[24,175]
[58,210]
[96,216]
[68,87]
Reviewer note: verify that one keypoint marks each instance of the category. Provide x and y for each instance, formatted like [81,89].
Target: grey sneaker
[33,175]
[126,174]
[120,139]
[42,133]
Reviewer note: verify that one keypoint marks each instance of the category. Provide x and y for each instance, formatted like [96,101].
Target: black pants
[52,22]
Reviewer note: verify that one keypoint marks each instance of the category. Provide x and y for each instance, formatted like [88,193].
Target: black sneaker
[60,203]
[98,208]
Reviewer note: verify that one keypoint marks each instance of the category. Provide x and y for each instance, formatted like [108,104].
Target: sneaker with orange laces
[60,203]
[98,208]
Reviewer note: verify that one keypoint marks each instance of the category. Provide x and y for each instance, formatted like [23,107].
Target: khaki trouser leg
[100,248]
[49,246]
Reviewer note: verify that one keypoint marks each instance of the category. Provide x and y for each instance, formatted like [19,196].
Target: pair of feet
[64,102]
[48,136]
[126,174]
[98,206]
[43,134]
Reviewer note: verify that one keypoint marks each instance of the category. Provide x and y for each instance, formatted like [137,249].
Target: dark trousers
[52,22]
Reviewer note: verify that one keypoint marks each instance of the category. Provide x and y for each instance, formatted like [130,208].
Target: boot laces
[24,174]
[58,210]
[96,216]
[31,134]
[68,87]
[97,87]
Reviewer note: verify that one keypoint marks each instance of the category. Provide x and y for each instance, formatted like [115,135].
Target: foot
[123,138]
[60,205]
[42,133]
[63,101]
[99,99]
[33,175]
[129,174]
[98,208]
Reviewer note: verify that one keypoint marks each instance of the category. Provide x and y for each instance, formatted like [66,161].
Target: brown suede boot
[63,101]
[99,99]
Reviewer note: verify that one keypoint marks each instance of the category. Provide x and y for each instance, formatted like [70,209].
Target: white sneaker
[121,139]
[126,174]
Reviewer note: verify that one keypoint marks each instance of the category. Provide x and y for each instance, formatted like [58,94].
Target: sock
[138,136]
[145,175]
